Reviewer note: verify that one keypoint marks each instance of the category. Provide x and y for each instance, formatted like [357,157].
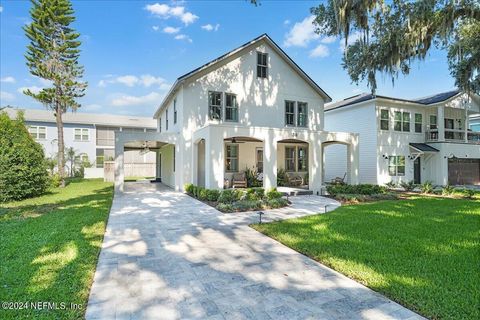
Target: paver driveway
[168,256]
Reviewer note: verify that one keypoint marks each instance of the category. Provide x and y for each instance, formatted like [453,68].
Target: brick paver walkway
[168,256]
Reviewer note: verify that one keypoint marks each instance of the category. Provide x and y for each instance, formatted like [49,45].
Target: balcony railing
[453,135]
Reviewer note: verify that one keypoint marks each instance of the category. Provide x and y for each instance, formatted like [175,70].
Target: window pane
[384,124]
[42,135]
[391,171]
[398,121]
[406,121]
[302,114]
[418,117]
[384,114]
[78,137]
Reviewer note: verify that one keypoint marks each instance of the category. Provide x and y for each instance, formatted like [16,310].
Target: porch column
[270,162]
[353,161]
[119,159]
[441,123]
[158,173]
[214,160]
[315,166]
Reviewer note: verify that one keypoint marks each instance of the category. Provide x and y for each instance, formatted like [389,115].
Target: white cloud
[209,27]
[126,100]
[8,79]
[171,30]
[183,37]
[155,28]
[321,51]
[328,39]
[301,33]
[146,80]
[33,89]
[1,9]
[6,96]
[128,80]
[165,11]
[286,22]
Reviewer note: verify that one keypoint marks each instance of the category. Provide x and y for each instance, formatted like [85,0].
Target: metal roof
[85,118]
[429,100]
[423,147]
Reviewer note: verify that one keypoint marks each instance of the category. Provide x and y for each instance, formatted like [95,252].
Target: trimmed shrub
[23,170]
[212,194]
[426,187]
[189,188]
[229,196]
[277,203]
[468,193]
[55,180]
[273,194]
[246,205]
[255,194]
[225,207]
[201,193]
[365,189]
[408,186]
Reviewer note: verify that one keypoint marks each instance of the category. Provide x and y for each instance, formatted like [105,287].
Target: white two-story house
[251,108]
[426,139]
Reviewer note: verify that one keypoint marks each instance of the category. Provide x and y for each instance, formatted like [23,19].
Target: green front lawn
[49,248]
[422,252]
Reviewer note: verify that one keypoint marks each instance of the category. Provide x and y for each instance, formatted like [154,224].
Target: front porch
[226,157]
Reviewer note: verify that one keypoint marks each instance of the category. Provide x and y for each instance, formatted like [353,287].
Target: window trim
[396,165]
[166,119]
[418,123]
[237,158]
[81,135]
[289,159]
[174,111]
[387,119]
[159,124]
[305,159]
[402,121]
[259,65]
[220,106]
[297,109]
[37,132]
[290,113]
[234,107]
[433,126]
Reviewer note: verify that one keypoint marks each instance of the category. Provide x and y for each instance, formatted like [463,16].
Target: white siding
[356,119]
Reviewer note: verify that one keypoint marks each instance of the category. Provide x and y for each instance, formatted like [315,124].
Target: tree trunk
[61,145]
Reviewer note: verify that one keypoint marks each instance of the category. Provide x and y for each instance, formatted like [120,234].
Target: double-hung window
[290,113]
[166,119]
[396,165]
[81,134]
[401,121]
[231,107]
[302,164]
[418,122]
[290,159]
[160,124]
[231,159]
[174,111]
[433,122]
[302,114]
[262,64]
[215,105]
[38,133]
[384,119]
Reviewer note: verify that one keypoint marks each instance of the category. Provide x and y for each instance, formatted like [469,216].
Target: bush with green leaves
[426,187]
[468,193]
[273,194]
[281,177]
[366,189]
[202,193]
[212,194]
[247,205]
[225,207]
[277,203]
[229,196]
[23,169]
[408,185]
[252,178]
[189,188]
[448,190]
[390,184]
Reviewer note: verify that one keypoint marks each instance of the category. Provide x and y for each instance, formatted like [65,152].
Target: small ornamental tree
[23,170]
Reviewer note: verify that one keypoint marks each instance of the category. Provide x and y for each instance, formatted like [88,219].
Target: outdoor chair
[239,180]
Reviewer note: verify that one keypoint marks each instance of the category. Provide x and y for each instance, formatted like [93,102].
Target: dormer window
[262,64]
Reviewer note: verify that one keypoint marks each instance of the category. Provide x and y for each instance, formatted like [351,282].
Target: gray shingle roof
[423,147]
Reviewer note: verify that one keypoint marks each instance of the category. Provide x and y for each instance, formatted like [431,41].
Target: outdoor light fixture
[260,213]
[234,140]
[450,156]
[385,156]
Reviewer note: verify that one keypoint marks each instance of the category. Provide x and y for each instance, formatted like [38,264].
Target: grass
[49,248]
[423,252]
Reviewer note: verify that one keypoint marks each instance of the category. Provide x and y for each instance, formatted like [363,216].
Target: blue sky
[134,50]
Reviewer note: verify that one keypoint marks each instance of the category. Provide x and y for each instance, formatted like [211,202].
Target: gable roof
[428,100]
[263,37]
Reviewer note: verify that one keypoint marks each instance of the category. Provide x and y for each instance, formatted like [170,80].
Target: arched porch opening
[293,163]
[339,163]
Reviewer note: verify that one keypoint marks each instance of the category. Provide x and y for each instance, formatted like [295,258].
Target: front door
[417,171]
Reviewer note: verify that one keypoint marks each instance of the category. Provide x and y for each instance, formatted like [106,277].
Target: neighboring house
[426,139]
[475,123]
[92,136]
[253,108]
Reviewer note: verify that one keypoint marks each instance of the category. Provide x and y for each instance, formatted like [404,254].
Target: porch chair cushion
[295,180]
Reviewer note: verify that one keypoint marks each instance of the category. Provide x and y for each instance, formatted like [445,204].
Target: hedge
[365,189]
